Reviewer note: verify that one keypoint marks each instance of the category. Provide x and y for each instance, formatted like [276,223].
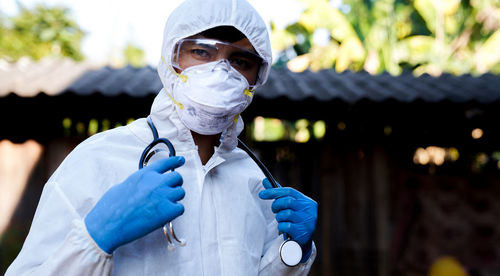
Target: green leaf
[426,9]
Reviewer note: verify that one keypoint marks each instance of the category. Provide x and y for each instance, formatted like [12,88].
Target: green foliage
[134,56]
[40,32]
[426,36]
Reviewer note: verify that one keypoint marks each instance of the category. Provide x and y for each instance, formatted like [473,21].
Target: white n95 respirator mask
[211,96]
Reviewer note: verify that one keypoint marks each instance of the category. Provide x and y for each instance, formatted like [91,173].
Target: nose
[223,55]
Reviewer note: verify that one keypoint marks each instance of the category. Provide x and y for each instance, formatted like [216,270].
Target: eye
[241,63]
[200,53]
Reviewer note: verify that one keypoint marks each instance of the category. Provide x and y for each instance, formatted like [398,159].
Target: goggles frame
[205,50]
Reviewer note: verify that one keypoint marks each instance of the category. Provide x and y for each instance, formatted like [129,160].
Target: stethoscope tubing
[259,163]
[168,228]
[156,141]
[288,241]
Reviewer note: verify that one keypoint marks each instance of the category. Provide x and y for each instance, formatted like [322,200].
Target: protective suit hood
[195,16]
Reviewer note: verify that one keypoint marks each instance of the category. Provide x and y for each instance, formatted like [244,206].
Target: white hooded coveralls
[229,230]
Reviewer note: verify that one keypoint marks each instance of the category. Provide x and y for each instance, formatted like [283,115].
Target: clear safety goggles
[195,51]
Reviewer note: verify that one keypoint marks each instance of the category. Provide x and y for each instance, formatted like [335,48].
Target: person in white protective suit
[99,214]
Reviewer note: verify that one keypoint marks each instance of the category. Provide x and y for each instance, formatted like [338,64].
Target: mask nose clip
[223,65]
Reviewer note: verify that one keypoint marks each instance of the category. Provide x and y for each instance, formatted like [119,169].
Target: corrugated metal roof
[326,85]
[27,78]
[135,82]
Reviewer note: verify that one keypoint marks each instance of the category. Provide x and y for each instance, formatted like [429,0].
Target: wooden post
[16,163]
[381,180]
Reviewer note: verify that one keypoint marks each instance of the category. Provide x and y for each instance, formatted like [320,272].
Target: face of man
[199,49]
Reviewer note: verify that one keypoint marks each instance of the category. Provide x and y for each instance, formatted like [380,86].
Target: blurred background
[385,112]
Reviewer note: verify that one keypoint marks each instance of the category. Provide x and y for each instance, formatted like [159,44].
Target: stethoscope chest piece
[290,253]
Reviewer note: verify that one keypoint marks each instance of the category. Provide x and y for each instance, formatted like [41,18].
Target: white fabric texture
[229,230]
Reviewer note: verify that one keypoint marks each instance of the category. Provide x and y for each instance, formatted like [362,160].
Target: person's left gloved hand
[296,214]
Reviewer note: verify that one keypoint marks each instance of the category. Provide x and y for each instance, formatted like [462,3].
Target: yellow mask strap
[235,118]
[248,92]
[181,106]
[184,78]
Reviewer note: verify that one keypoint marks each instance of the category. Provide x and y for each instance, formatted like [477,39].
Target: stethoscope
[290,251]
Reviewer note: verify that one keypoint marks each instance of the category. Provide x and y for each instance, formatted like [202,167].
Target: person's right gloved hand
[145,201]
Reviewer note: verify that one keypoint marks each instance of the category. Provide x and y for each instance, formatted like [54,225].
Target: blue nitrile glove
[145,201]
[296,214]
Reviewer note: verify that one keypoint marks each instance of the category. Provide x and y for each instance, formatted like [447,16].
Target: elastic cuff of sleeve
[80,225]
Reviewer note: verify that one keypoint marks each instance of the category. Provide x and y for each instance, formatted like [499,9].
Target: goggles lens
[196,51]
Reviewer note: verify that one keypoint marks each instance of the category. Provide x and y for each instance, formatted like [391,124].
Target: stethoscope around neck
[290,251]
